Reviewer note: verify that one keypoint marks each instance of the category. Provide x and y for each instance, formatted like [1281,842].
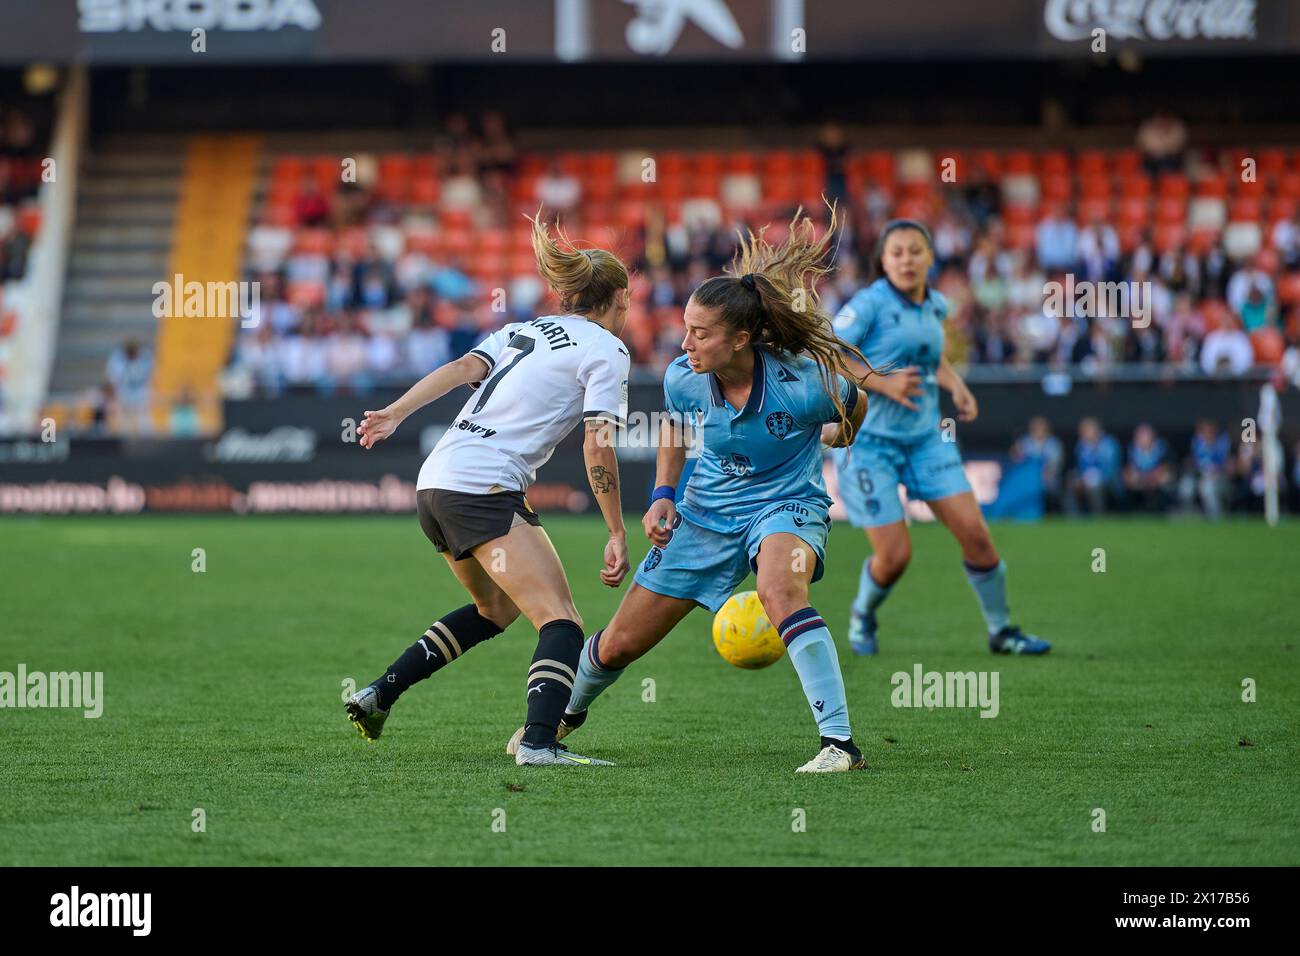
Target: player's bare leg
[986,572]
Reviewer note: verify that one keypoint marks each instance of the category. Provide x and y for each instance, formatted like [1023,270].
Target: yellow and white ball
[743,635]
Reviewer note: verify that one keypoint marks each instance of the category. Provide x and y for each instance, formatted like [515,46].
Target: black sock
[447,639]
[848,746]
[550,680]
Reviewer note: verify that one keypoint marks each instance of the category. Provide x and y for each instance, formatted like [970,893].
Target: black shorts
[459,522]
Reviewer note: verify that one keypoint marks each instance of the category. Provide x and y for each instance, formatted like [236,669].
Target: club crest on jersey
[736,465]
[780,424]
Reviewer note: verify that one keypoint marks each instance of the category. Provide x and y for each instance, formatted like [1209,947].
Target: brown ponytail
[771,293]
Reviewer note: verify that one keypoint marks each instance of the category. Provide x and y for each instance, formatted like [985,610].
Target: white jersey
[543,377]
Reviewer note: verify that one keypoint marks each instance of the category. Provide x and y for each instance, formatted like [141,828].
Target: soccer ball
[743,635]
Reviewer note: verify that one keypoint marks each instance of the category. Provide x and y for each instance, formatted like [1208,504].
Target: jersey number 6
[525,345]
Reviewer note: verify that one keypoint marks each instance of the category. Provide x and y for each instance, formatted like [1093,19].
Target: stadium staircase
[151,207]
[126,208]
[212,218]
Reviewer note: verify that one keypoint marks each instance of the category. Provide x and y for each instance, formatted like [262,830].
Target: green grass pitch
[223,691]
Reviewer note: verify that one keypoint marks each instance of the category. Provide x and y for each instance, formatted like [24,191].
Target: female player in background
[534,381]
[896,322]
[762,374]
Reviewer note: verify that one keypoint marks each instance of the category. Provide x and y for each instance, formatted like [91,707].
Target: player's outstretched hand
[967,408]
[902,385]
[658,522]
[377,426]
[616,565]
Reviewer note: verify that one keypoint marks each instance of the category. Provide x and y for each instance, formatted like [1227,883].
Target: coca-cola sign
[1071,20]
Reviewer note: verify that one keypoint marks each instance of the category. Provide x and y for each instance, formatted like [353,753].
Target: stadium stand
[435,241]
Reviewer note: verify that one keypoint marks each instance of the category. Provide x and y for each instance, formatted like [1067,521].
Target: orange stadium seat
[1135,186]
[1058,188]
[742,162]
[1288,289]
[1272,162]
[424,191]
[29,219]
[878,165]
[1094,209]
[1215,312]
[988,162]
[1245,209]
[1170,211]
[1019,162]
[1020,237]
[306,295]
[1054,163]
[1268,345]
[314,241]
[1091,162]
[1018,215]
[1133,211]
[1214,186]
[1095,187]
[1169,237]
[1127,162]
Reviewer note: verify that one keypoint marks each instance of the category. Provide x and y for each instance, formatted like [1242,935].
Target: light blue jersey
[759,474]
[897,445]
[894,332]
[764,454]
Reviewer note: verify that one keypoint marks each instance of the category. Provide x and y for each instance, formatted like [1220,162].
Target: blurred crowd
[1219,474]
[389,306]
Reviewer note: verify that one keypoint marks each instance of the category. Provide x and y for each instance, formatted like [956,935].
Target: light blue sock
[870,594]
[990,586]
[812,651]
[593,676]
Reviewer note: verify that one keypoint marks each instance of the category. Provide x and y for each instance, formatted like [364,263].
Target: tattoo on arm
[602,479]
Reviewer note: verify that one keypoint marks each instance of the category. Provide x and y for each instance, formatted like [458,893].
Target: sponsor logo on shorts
[466,425]
[938,469]
[780,424]
[798,513]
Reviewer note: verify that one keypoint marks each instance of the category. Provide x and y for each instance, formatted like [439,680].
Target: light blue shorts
[705,566]
[872,468]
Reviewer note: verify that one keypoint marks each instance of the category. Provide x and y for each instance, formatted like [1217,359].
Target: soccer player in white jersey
[533,382]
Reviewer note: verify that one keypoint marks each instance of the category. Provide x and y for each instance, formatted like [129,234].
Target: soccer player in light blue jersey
[897,323]
[762,374]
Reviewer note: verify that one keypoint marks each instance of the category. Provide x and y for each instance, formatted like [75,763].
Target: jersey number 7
[525,345]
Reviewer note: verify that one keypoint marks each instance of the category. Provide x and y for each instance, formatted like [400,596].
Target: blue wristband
[664,491]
